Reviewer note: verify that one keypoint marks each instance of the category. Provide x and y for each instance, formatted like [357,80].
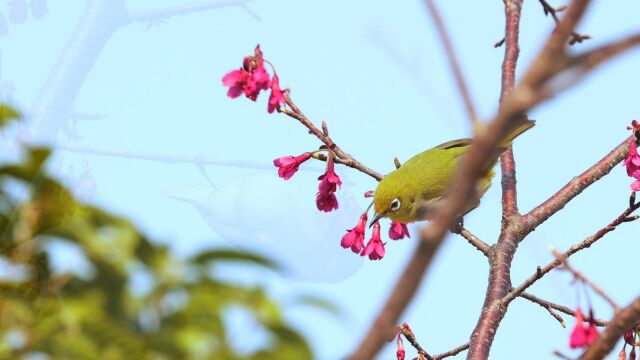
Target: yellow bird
[413,191]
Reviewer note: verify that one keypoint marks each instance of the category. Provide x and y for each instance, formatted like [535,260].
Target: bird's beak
[375,219]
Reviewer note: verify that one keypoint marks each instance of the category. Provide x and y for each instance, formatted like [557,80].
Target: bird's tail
[528,124]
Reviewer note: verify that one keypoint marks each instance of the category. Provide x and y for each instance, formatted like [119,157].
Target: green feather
[419,184]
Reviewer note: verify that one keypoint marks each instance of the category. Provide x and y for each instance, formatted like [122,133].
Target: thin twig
[482,246]
[546,305]
[580,277]
[563,309]
[550,10]
[343,157]
[540,272]
[411,338]
[561,355]
[453,62]
[562,197]
[452,352]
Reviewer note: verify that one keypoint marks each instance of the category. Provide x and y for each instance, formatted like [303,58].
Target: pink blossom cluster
[354,238]
[252,78]
[632,162]
[326,199]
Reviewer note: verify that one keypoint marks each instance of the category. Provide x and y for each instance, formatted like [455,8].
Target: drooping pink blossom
[354,238]
[326,201]
[329,182]
[276,99]
[632,163]
[583,334]
[250,79]
[368,194]
[375,247]
[630,337]
[288,165]
[236,80]
[400,353]
[398,231]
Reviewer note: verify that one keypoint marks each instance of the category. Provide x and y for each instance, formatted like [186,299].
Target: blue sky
[376,73]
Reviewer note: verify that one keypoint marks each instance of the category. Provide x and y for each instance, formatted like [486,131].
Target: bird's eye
[395,205]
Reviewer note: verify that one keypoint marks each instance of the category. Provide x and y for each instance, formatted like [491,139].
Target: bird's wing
[465,142]
[454,144]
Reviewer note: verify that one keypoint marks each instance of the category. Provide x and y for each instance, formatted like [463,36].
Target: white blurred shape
[279,219]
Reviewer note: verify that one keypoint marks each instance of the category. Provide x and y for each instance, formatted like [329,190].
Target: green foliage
[7,114]
[103,313]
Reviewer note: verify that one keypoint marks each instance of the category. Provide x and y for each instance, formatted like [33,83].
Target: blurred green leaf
[175,311]
[234,256]
[30,168]
[8,114]
[319,303]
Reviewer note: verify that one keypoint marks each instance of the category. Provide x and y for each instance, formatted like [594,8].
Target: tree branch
[546,305]
[462,191]
[453,62]
[343,157]
[578,275]
[540,272]
[550,10]
[452,352]
[482,246]
[557,201]
[564,309]
[505,248]
[411,338]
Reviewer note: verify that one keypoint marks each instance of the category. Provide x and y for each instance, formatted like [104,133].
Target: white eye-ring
[395,205]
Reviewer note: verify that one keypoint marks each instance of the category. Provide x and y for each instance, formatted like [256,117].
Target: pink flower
[400,353]
[630,337]
[250,79]
[375,247]
[632,163]
[398,231]
[276,99]
[354,238]
[326,201]
[582,335]
[236,80]
[288,165]
[329,181]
